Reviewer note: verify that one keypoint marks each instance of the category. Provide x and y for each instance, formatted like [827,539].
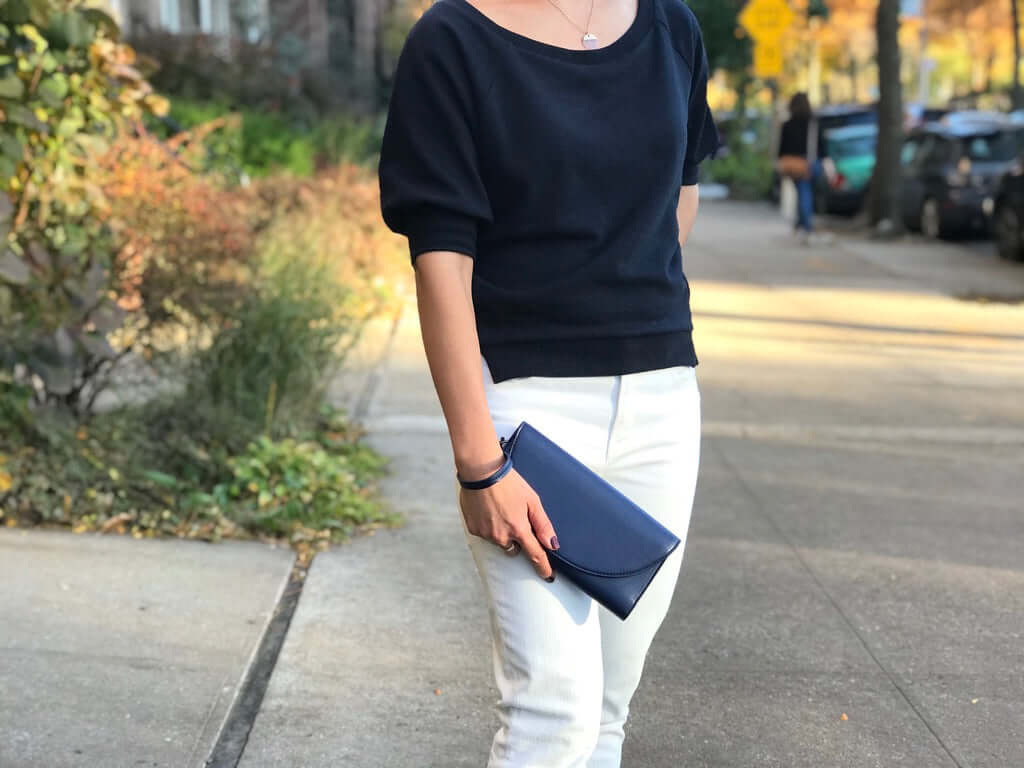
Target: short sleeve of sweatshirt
[429,175]
[702,137]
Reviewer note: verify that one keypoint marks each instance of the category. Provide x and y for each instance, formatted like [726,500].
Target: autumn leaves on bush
[203,313]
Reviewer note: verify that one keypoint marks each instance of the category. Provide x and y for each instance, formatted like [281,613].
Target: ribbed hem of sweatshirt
[595,356]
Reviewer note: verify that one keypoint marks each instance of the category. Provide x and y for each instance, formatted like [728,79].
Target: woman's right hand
[510,510]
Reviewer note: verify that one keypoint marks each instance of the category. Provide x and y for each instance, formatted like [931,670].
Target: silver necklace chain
[585,30]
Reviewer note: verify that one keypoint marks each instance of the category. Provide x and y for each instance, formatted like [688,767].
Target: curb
[234,731]
[233,735]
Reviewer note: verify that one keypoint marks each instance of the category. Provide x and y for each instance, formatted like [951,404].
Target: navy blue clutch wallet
[608,546]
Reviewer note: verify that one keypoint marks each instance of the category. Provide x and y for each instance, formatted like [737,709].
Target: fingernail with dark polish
[554,542]
[551,580]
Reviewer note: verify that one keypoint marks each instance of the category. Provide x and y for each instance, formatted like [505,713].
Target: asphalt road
[852,592]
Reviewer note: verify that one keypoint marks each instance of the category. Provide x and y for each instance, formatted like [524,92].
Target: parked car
[950,173]
[1008,216]
[841,115]
[916,114]
[964,119]
[851,152]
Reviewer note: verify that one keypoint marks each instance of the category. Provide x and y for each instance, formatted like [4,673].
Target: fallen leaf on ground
[116,520]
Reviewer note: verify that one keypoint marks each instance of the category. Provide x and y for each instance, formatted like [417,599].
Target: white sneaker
[821,238]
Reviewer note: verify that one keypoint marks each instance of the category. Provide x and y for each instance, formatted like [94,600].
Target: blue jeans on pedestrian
[805,198]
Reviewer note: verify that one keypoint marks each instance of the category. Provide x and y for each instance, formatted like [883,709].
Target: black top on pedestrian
[793,139]
[558,171]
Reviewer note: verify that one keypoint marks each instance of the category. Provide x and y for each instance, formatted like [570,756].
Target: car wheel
[911,222]
[1008,234]
[931,219]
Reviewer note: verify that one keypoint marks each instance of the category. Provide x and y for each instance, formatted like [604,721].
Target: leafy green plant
[746,171]
[348,138]
[273,141]
[279,275]
[67,88]
[260,142]
[112,476]
[272,361]
[278,483]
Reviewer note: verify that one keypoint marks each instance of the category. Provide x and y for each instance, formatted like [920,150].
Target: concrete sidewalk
[116,652]
[853,584]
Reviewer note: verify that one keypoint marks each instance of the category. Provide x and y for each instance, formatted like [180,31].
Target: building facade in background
[342,39]
[221,18]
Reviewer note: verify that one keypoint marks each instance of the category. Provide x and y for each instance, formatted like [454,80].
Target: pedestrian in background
[542,158]
[799,161]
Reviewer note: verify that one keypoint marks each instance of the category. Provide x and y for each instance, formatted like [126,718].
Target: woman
[542,160]
[799,161]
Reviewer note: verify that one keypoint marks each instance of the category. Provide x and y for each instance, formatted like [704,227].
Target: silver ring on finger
[513,548]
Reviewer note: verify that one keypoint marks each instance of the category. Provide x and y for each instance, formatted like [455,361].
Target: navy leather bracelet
[475,485]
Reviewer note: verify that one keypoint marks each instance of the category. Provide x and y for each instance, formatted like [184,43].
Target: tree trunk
[1018,102]
[364,62]
[886,185]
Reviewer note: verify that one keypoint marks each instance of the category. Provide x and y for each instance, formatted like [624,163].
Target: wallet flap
[600,530]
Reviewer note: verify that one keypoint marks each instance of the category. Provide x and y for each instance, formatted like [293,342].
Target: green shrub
[747,171]
[286,289]
[261,142]
[347,138]
[113,476]
[269,366]
[277,484]
[67,89]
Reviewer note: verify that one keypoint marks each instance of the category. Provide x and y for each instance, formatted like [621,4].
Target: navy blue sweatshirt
[558,171]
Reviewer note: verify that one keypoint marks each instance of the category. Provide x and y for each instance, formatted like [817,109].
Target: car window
[925,150]
[828,122]
[850,118]
[856,146]
[994,147]
[936,151]
[909,152]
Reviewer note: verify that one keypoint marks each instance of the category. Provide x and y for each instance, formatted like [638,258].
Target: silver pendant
[589,41]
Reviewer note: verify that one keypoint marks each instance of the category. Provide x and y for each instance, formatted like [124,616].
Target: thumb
[542,527]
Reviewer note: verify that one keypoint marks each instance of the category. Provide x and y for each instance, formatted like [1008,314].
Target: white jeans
[566,668]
